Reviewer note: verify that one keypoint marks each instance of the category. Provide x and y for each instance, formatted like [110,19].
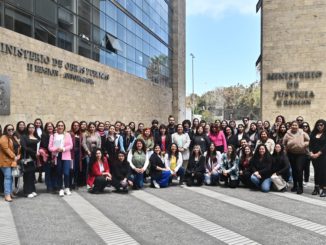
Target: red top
[95,172]
[163,143]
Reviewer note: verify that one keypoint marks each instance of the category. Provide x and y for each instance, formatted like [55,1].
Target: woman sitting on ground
[196,167]
[280,168]
[230,167]
[173,162]
[160,175]
[261,164]
[213,165]
[99,173]
[244,166]
[120,170]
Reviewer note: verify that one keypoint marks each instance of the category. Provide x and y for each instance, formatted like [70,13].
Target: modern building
[292,61]
[92,60]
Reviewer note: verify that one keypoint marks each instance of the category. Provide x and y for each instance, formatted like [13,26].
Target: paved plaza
[175,215]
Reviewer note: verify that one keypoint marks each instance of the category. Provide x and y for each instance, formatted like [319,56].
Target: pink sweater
[219,139]
[66,154]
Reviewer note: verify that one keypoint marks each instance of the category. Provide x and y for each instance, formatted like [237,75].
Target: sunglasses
[305,126]
[320,125]
[299,120]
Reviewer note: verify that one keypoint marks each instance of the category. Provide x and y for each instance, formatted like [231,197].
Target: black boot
[300,188]
[323,193]
[294,188]
[316,191]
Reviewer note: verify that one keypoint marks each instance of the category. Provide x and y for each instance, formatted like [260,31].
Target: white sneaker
[34,194]
[67,192]
[178,178]
[61,193]
[305,183]
[157,186]
[30,195]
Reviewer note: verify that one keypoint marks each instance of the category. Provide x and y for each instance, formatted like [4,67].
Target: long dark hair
[163,126]
[281,153]
[93,158]
[233,154]
[266,155]
[243,156]
[211,154]
[176,152]
[5,132]
[72,128]
[46,127]
[35,132]
[134,147]
[18,130]
[39,119]
[315,130]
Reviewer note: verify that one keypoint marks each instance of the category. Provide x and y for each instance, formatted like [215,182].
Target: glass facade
[130,35]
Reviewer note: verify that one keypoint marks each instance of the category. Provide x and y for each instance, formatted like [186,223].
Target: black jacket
[263,166]
[168,141]
[202,140]
[155,161]
[232,140]
[196,167]
[120,170]
[281,165]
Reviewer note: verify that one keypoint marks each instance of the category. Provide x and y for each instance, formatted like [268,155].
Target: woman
[101,132]
[132,126]
[196,168]
[279,134]
[268,142]
[253,135]
[173,162]
[224,124]
[217,137]
[280,168]
[110,146]
[200,139]
[76,154]
[20,131]
[160,175]
[296,144]
[244,166]
[91,140]
[317,147]
[267,127]
[260,126]
[120,170]
[139,130]
[213,160]
[306,169]
[207,129]
[195,124]
[8,159]
[230,168]
[231,139]
[46,158]
[60,145]
[233,126]
[261,164]
[164,139]
[126,141]
[241,134]
[147,137]
[138,160]
[29,144]
[182,140]
[99,173]
[186,124]
[39,130]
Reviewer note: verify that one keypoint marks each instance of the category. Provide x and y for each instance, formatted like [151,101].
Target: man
[245,121]
[171,126]
[154,129]
[300,121]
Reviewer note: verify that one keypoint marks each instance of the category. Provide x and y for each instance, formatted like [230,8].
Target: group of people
[97,154]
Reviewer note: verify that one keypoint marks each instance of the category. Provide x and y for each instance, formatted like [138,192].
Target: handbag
[27,164]
[15,172]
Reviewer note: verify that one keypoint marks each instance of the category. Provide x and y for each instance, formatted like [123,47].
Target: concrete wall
[123,97]
[294,40]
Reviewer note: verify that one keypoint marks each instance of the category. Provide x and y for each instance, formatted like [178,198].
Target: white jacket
[168,163]
[182,140]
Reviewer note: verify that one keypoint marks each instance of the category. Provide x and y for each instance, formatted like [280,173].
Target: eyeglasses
[320,125]
[299,120]
[10,129]
[305,126]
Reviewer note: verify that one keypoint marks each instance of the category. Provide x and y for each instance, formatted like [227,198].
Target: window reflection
[18,22]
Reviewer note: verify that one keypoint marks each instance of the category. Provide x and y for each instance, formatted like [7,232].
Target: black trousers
[29,182]
[99,184]
[1,182]
[297,162]
[306,169]
[197,179]
[228,182]
[320,170]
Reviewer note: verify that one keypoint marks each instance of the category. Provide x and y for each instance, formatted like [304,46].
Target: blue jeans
[265,185]
[163,180]
[50,176]
[138,179]
[211,179]
[7,180]
[63,169]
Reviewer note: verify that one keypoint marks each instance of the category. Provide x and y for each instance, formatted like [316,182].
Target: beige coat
[296,143]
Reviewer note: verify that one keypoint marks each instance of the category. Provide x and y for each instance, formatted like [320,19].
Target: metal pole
[193,85]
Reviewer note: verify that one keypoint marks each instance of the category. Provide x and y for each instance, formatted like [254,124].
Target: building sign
[49,66]
[4,96]
[292,95]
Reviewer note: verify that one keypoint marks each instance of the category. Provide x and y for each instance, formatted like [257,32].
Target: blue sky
[224,36]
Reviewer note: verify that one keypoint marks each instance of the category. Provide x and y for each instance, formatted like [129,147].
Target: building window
[84,29]
[44,33]
[1,13]
[65,40]
[111,59]
[18,22]
[122,63]
[69,4]
[84,9]
[46,9]
[112,43]
[25,4]
[84,48]
[66,20]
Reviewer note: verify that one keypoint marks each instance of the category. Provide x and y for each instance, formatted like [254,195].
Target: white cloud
[217,8]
